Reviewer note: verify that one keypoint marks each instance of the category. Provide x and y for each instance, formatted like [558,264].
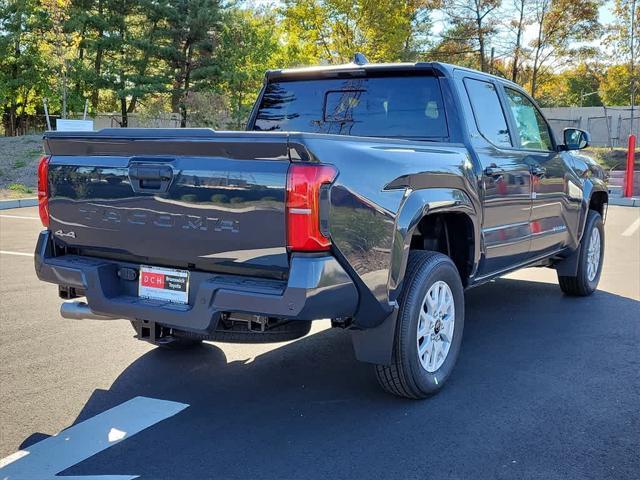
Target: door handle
[494,171]
[538,171]
[146,178]
[150,172]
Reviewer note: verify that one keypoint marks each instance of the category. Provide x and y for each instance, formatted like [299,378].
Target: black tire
[406,377]
[580,285]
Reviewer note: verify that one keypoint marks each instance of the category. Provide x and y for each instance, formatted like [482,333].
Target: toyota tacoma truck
[373,195]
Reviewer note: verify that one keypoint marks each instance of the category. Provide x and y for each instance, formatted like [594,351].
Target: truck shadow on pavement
[545,387]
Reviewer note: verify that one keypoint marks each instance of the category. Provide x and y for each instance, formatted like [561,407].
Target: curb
[18,203]
[625,201]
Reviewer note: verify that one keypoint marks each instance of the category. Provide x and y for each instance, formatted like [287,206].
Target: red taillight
[43,190]
[304,183]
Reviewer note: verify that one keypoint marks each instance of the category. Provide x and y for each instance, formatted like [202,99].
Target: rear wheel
[590,259]
[428,330]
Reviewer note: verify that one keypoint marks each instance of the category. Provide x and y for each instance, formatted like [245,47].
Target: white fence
[608,126]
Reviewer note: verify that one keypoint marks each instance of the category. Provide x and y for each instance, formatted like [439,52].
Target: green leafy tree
[194,32]
[119,51]
[247,48]
[334,30]
[23,69]
[576,86]
[615,88]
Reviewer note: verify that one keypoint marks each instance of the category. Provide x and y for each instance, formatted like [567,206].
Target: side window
[487,111]
[532,127]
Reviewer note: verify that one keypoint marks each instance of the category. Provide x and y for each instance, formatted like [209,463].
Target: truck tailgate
[192,199]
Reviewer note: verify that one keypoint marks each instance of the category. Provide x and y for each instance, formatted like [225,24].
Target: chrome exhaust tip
[80,311]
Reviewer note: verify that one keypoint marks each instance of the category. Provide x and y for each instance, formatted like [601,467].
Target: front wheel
[428,330]
[590,259]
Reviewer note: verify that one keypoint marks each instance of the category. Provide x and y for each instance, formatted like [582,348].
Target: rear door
[212,203]
[537,148]
[506,177]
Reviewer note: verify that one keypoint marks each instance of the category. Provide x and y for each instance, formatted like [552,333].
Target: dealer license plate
[166,284]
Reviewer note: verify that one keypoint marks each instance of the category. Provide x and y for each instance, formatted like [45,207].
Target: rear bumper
[318,287]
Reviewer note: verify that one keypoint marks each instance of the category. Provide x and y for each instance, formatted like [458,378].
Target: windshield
[406,107]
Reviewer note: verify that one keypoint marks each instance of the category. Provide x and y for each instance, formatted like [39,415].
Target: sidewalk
[625,201]
[18,203]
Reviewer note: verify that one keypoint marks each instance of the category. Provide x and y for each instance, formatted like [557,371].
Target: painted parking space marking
[19,217]
[55,454]
[631,229]
[21,254]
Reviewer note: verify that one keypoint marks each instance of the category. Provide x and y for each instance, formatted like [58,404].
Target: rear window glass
[490,118]
[405,107]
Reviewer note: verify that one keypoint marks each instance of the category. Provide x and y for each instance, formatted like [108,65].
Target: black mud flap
[568,267]
[375,345]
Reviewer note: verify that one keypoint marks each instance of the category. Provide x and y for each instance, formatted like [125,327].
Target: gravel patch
[18,165]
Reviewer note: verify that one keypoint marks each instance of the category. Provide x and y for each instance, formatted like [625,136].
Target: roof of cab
[354,69]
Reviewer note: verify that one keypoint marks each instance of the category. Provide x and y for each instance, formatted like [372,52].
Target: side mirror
[576,139]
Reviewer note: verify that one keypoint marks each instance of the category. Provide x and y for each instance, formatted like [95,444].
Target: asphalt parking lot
[546,387]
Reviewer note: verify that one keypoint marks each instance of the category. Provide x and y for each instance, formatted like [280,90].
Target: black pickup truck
[372,195]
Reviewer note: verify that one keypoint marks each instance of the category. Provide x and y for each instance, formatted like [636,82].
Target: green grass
[20,163]
[20,188]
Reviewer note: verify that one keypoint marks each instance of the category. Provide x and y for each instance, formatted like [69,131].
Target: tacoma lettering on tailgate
[161,219]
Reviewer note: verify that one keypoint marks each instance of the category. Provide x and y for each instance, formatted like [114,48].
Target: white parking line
[6,252]
[19,217]
[77,443]
[631,229]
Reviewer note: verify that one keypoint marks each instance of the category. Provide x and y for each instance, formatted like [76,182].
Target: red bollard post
[628,178]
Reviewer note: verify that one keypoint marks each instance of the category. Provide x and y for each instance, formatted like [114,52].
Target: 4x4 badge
[60,233]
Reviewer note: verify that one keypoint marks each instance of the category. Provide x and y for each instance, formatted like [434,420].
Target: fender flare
[416,206]
[591,186]
[568,266]
[375,345]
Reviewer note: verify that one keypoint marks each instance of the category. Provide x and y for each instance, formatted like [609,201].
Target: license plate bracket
[165,284]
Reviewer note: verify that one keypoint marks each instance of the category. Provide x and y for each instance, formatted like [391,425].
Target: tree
[456,46]
[625,43]
[561,25]
[619,31]
[247,48]
[194,30]
[23,73]
[576,86]
[474,22]
[57,44]
[516,25]
[88,18]
[127,49]
[615,88]
[334,30]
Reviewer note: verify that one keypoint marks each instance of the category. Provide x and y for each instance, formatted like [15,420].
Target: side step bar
[80,311]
